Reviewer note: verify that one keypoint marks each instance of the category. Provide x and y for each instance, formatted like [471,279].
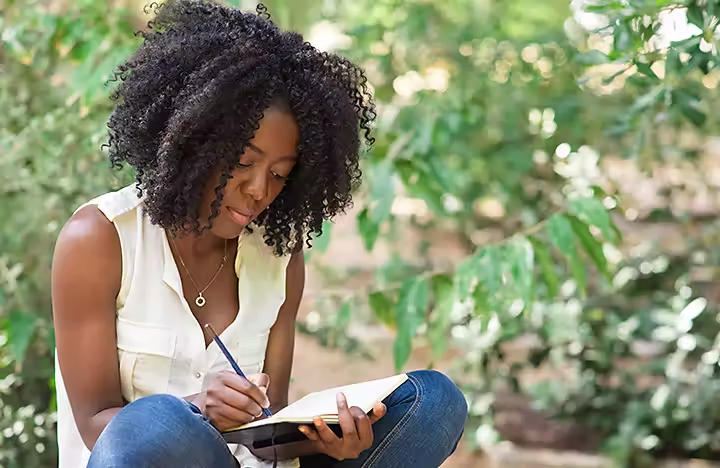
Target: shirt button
[198,375]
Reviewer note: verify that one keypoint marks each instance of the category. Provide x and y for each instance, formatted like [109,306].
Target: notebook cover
[262,436]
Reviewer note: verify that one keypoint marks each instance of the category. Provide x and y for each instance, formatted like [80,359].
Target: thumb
[378,412]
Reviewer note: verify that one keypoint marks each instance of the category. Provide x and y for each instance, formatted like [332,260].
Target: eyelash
[277,176]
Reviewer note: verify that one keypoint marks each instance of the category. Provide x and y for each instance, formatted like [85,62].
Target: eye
[279,177]
[242,165]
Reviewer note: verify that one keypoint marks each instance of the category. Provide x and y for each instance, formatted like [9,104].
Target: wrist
[197,400]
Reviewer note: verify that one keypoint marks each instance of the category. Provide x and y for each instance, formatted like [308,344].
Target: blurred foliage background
[558,162]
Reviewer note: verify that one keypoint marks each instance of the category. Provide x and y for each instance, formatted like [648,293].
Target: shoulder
[88,225]
[88,244]
[86,265]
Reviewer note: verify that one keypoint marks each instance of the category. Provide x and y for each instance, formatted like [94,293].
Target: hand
[356,429]
[232,400]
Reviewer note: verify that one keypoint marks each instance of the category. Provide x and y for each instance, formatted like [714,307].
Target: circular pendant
[200,301]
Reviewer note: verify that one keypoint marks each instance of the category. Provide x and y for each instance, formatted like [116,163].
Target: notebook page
[363,395]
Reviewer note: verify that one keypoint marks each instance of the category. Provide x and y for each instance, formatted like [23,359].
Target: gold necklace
[200,299]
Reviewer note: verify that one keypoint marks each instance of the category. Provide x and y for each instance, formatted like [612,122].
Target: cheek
[232,184]
[276,188]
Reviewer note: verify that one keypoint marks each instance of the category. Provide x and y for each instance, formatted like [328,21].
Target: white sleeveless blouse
[161,347]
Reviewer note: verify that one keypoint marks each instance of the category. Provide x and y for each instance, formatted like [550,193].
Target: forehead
[278,134]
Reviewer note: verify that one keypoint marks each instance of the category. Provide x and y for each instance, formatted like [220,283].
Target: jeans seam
[386,442]
[206,421]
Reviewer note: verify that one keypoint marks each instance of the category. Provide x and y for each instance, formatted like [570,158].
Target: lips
[240,217]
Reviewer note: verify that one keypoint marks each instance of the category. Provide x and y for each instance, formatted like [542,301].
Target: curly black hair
[190,98]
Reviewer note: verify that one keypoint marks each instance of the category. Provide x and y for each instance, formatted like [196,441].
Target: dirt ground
[316,368]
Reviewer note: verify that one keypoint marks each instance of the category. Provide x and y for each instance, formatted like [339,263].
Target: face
[259,177]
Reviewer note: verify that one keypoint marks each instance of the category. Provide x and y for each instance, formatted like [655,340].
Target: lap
[424,422]
[160,430]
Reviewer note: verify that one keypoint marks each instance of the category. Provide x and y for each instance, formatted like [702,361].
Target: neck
[200,245]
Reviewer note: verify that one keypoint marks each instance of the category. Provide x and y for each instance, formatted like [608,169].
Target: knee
[156,426]
[159,405]
[446,400]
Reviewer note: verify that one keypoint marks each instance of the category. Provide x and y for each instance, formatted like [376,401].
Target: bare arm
[281,344]
[86,276]
[279,356]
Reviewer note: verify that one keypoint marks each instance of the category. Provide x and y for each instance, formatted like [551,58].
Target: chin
[227,230]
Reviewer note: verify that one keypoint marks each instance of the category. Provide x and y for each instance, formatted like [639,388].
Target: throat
[198,247]
[209,283]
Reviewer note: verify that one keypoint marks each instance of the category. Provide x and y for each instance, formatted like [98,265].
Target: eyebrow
[261,152]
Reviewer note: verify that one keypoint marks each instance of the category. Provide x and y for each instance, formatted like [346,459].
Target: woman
[244,139]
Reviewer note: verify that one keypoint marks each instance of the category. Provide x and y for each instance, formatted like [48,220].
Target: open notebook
[282,427]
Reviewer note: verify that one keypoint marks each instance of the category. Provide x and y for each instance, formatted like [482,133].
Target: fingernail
[340,399]
[302,429]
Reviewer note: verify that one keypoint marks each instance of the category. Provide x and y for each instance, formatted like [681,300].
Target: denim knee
[446,401]
[157,429]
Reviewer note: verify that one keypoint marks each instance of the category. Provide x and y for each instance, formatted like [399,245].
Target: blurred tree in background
[495,122]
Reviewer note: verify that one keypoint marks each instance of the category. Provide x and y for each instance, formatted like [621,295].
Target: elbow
[92,425]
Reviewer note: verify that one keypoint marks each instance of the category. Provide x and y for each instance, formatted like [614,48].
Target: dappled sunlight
[537,216]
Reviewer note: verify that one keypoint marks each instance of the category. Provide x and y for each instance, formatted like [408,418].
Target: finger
[223,423]
[309,432]
[219,408]
[363,425]
[261,380]
[347,423]
[244,386]
[239,401]
[378,411]
[326,435]
[237,415]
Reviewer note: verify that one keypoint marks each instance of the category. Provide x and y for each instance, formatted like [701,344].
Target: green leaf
[491,267]
[382,190]
[20,328]
[698,59]
[687,102]
[482,307]
[521,258]
[466,277]
[622,38]
[382,306]
[694,115]
[609,79]
[547,269]
[369,231]
[604,7]
[673,64]
[592,211]
[343,316]
[420,183]
[444,295]
[592,57]
[591,245]
[694,15]
[561,234]
[645,69]
[648,99]
[410,310]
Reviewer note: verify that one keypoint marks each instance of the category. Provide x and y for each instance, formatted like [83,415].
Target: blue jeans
[423,425]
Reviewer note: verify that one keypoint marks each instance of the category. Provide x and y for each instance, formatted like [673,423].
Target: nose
[257,186]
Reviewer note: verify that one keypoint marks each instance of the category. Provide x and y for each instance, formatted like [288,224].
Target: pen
[229,357]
